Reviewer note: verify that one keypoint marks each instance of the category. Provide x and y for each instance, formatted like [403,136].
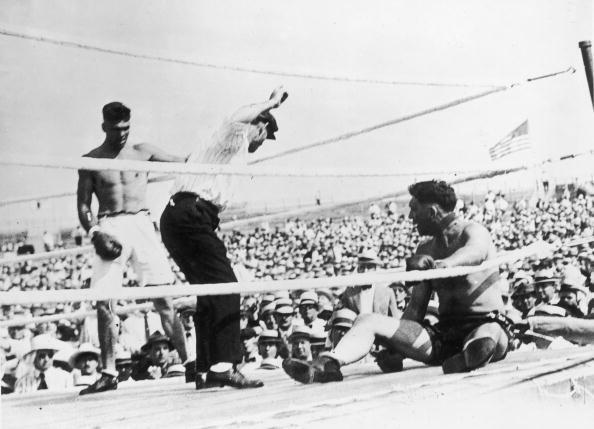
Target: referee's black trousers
[188,226]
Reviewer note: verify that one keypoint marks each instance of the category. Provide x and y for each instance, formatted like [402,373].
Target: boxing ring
[546,389]
[366,395]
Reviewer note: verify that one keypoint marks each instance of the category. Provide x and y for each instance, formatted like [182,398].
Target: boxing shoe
[104,383]
[323,369]
[232,378]
[477,353]
[389,362]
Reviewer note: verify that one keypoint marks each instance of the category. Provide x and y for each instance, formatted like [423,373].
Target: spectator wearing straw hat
[546,284]
[43,375]
[85,364]
[268,348]
[188,228]
[374,298]
[124,365]
[284,315]
[300,340]
[342,320]
[525,298]
[308,309]
[266,317]
[573,293]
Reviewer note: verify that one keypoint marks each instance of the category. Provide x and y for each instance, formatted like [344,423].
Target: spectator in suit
[369,298]
[43,375]
[159,362]
[285,321]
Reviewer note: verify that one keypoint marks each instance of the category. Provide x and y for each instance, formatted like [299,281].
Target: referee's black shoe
[232,378]
[105,383]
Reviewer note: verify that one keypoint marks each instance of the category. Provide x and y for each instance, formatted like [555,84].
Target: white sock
[221,367]
[112,372]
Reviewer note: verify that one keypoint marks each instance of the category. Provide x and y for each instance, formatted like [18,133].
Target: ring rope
[102,164]
[183,168]
[78,45]
[78,315]
[56,296]
[483,174]
[434,109]
[18,200]
[46,255]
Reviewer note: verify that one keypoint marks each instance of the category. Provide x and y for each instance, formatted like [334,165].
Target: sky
[52,95]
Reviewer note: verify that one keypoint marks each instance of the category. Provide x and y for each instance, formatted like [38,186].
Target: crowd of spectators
[300,323]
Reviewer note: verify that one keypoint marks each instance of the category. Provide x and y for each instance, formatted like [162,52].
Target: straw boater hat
[543,277]
[317,338]
[524,289]
[267,299]
[574,281]
[84,349]
[368,256]
[284,306]
[268,308]
[308,297]
[300,332]
[343,318]
[269,336]
[175,370]
[44,342]
[123,356]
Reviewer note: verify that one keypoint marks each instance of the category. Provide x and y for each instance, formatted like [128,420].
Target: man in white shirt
[188,228]
[43,375]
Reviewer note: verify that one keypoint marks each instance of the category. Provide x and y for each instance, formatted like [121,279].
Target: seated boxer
[471,331]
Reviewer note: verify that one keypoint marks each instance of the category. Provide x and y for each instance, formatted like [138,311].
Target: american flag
[515,141]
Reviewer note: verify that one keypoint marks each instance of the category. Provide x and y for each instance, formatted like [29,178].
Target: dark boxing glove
[106,246]
[419,263]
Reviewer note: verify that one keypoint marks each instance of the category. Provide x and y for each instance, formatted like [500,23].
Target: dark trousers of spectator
[188,226]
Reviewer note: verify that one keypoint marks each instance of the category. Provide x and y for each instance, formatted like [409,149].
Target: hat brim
[77,355]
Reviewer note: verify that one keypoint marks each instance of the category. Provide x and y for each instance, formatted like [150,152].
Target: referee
[188,226]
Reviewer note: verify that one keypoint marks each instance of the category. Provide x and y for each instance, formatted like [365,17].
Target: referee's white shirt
[228,145]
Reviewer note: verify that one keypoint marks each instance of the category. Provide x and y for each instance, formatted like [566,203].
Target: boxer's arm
[247,114]
[84,195]
[155,153]
[477,242]
[419,300]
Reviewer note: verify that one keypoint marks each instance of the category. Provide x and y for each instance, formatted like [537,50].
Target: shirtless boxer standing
[470,332]
[123,231]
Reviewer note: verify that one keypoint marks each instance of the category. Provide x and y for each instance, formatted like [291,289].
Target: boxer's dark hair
[434,192]
[116,112]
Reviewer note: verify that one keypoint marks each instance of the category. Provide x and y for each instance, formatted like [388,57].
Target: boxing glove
[419,263]
[106,246]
